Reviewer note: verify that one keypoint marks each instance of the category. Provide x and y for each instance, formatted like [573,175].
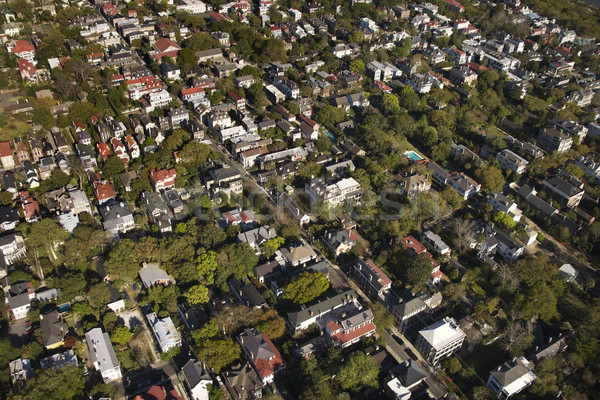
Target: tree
[357,66]
[218,353]
[391,104]
[452,365]
[309,170]
[207,265]
[237,259]
[113,167]
[504,220]
[122,262]
[490,178]
[416,270]
[330,115]
[197,294]
[201,41]
[383,319]
[305,287]
[43,116]
[121,335]
[99,295]
[45,235]
[271,246]
[357,373]
[429,136]
[53,384]
[193,155]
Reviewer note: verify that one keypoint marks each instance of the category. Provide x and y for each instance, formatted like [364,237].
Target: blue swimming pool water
[413,156]
[329,135]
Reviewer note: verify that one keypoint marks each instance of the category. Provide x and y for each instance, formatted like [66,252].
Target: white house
[103,355]
[164,331]
[196,379]
[511,378]
[440,340]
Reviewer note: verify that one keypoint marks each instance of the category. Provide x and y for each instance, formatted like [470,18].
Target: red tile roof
[383,279]
[103,191]
[350,336]
[164,44]
[192,90]
[5,150]
[22,46]
[235,96]
[266,368]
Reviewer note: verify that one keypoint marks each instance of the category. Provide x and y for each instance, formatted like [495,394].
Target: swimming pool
[413,156]
[329,135]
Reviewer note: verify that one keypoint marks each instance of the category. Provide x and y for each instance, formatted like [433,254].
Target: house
[406,380]
[440,340]
[349,327]
[238,217]
[165,47]
[224,180]
[413,185]
[408,315]
[31,209]
[155,205]
[262,354]
[174,202]
[462,74]
[102,355]
[358,100]
[510,160]
[132,146]
[345,190]
[339,241]
[117,217]
[511,378]
[297,254]
[19,298]
[164,331]
[290,205]
[504,204]
[103,191]
[246,294]
[162,178]
[178,115]
[197,379]
[12,247]
[6,155]
[9,218]
[257,237]
[54,330]
[170,71]
[20,371]
[151,274]
[288,87]
[311,313]
[551,139]
[242,382]
[435,243]
[384,72]
[209,55]
[564,188]
[370,278]
[530,196]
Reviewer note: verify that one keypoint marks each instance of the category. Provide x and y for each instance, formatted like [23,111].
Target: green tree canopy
[305,287]
[271,246]
[197,294]
[99,295]
[490,178]
[52,384]
[358,372]
[121,335]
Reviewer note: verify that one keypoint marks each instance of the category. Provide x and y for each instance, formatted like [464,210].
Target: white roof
[101,350]
[347,183]
[442,333]
[399,391]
